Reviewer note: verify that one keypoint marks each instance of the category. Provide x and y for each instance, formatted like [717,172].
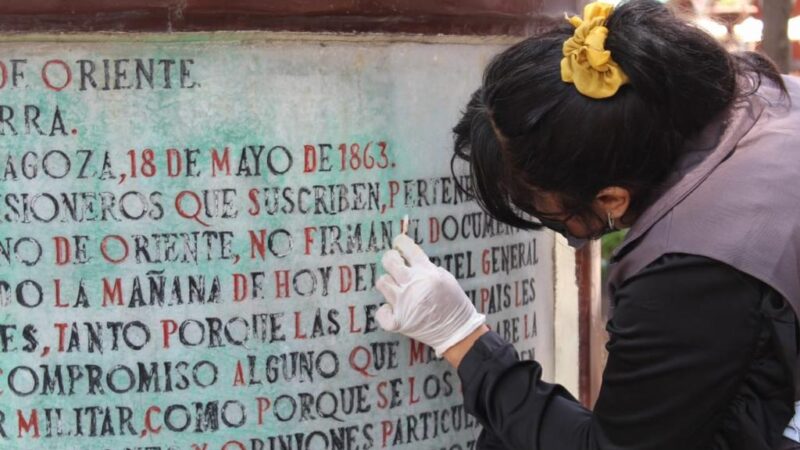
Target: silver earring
[610,220]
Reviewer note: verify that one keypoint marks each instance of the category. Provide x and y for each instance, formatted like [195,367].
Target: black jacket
[700,357]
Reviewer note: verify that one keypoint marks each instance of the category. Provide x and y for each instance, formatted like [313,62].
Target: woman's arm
[456,353]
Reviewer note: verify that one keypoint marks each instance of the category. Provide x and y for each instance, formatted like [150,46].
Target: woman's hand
[424,301]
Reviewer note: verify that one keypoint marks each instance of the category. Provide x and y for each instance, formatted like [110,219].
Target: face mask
[560,228]
[576,242]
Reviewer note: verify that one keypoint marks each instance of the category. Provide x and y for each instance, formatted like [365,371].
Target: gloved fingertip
[409,249]
[386,318]
[388,288]
[395,265]
[389,255]
[401,239]
[382,283]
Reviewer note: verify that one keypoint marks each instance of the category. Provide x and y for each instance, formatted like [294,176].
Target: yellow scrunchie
[586,62]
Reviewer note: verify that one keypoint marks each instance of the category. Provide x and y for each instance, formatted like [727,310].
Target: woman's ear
[612,200]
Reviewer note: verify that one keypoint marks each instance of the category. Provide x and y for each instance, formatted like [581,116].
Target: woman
[632,118]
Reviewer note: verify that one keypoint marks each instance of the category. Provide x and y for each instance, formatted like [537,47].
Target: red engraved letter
[168,328]
[310,159]
[263,406]
[62,328]
[111,294]
[222,164]
[281,283]
[24,425]
[239,287]
[62,250]
[309,238]
[433,226]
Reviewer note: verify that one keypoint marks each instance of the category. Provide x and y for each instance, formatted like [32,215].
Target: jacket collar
[704,153]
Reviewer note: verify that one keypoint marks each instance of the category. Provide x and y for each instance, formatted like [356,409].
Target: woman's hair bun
[526,129]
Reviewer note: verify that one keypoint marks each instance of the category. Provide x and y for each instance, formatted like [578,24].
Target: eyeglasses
[553,221]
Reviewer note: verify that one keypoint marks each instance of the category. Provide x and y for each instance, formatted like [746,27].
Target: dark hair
[526,129]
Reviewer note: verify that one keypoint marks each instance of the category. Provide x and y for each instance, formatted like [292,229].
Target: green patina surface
[250,90]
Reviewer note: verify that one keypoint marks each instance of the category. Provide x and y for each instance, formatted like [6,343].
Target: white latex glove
[424,301]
